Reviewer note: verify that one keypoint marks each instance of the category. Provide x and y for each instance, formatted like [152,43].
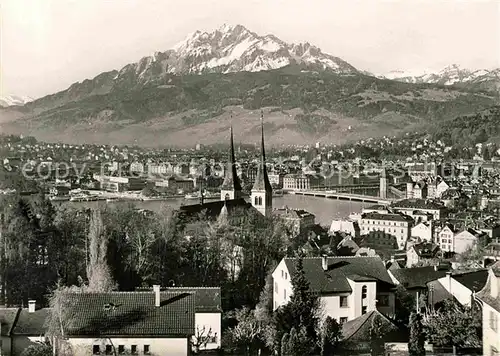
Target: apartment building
[398,225]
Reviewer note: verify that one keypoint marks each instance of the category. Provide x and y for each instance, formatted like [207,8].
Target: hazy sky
[46,45]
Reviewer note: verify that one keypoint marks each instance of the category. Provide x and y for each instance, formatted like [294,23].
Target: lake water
[324,209]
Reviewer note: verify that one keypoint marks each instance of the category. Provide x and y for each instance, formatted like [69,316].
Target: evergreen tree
[377,334]
[330,337]
[303,303]
[300,313]
[417,337]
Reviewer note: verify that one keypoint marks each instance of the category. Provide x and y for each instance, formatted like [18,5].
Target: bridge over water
[330,194]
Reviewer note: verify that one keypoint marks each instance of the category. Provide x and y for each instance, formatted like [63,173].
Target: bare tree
[60,319]
[201,338]
[98,272]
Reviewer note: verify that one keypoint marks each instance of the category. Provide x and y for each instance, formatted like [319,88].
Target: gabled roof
[426,249]
[474,281]
[7,319]
[387,217]
[417,277]
[132,313]
[33,324]
[485,294]
[359,329]
[438,293]
[208,299]
[334,280]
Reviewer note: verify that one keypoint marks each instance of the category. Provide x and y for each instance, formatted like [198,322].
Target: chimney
[436,268]
[448,281]
[393,259]
[324,263]
[31,306]
[156,290]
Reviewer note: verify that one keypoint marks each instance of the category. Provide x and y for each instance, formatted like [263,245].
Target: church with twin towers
[262,193]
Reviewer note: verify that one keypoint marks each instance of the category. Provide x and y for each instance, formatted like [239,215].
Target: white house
[143,323]
[348,286]
[445,238]
[490,299]
[466,239]
[423,230]
[349,227]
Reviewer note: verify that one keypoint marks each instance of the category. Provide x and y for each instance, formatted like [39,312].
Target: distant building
[346,226]
[445,238]
[276,179]
[176,183]
[424,231]
[397,225]
[418,171]
[409,206]
[300,182]
[120,184]
[299,220]
[420,252]
[467,239]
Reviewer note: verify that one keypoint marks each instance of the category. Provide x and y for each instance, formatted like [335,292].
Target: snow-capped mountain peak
[232,48]
[452,74]
[14,100]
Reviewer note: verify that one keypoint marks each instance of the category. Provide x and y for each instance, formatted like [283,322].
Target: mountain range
[14,100]
[193,92]
[452,75]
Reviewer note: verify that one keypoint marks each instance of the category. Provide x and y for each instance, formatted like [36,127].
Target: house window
[343,320]
[286,276]
[276,287]
[282,274]
[364,290]
[363,310]
[109,350]
[96,350]
[146,350]
[284,294]
[493,321]
[256,201]
[121,349]
[343,302]
[133,349]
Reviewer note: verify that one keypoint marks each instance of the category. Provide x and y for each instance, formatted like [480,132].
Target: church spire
[262,179]
[262,192]
[231,187]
